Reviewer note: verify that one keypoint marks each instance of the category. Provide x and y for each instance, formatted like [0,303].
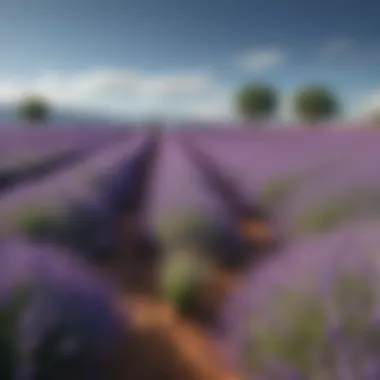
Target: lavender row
[311,311]
[290,171]
[58,317]
[178,195]
[22,150]
[77,183]
[255,160]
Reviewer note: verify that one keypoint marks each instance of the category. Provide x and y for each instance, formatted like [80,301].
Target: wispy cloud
[126,91]
[336,48]
[109,82]
[261,59]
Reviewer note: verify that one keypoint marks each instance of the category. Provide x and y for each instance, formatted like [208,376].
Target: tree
[315,103]
[256,101]
[34,109]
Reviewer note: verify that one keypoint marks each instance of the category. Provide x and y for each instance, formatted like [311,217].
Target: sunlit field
[152,254]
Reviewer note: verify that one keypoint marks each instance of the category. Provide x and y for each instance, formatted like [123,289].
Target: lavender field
[254,254]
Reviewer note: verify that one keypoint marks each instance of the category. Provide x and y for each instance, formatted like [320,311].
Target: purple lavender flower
[66,326]
[314,308]
[85,228]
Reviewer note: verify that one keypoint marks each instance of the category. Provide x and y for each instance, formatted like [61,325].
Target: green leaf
[278,191]
[34,109]
[332,212]
[301,332]
[316,103]
[183,228]
[36,221]
[256,100]
[182,279]
[356,301]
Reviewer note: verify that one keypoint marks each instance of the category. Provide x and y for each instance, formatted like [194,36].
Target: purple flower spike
[314,308]
[67,326]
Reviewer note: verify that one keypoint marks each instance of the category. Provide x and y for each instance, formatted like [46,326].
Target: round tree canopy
[34,109]
[255,101]
[315,103]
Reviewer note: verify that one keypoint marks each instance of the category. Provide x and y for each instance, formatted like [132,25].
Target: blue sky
[187,58]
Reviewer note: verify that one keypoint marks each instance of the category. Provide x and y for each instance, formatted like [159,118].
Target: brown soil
[134,275]
[218,285]
[162,345]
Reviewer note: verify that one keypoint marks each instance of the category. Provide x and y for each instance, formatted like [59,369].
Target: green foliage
[183,294]
[315,103]
[323,217]
[332,212]
[182,278]
[355,299]
[300,332]
[37,222]
[70,224]
[183,229]
[37,225]
[34,109]
[256,101]
[278,191]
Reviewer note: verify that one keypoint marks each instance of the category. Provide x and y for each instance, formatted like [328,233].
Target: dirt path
[161,344]
[165,346]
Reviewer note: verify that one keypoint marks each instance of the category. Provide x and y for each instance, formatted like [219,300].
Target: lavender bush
[183,274]
[76,182]
[57,320]
[275,193]
[184,229]
[313,312]
[333,211]
[82,227]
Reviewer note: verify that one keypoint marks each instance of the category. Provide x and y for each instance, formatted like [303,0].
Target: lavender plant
[57,320]
[333,211]
[82,227]
[278,191]
[183,229]
[313,312]
[182,277]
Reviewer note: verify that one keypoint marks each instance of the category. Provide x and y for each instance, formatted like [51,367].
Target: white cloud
[261,59]
[130,93]
[111,82]
[219,107]
[369,106]
[336,48]
[124,91]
